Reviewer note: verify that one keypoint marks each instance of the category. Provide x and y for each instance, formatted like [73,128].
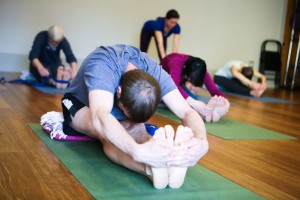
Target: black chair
[270,61]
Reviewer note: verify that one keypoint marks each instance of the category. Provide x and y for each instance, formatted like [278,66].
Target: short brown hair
[140,94]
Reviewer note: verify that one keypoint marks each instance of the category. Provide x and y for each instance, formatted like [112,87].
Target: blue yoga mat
[45,88]
[50,90]
[265,99]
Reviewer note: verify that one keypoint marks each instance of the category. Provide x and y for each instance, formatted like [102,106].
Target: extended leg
[82,123]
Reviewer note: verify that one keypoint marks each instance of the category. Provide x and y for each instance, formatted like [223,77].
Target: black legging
[145,41]
[233,85]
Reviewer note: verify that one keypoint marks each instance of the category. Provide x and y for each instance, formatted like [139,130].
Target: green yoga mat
[106,180]
[232,130]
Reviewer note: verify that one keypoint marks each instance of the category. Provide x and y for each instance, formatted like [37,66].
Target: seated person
[191,72]
[116,90]
[45,61]
[236,77]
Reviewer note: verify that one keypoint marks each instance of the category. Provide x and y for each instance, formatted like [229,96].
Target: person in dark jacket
[45,62]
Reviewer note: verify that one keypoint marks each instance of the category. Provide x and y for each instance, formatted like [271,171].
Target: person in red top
[190,72]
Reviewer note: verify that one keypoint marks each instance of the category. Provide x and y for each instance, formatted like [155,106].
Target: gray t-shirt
[103,68]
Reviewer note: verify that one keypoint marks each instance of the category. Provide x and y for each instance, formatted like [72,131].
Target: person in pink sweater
[190,72]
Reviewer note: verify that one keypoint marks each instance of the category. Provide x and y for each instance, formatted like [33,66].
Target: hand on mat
[192,151]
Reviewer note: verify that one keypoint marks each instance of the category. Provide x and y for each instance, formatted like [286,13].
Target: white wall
[215,30]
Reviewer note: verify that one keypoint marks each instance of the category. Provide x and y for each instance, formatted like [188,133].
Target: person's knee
[66,74]
[110,150]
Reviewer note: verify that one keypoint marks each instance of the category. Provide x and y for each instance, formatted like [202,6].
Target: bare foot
[255,93]
[160,175]
[210,107]
[58,85]
[215,116]
[221,108]
[260,92]
[177,174]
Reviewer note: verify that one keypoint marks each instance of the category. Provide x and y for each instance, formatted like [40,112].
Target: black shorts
[70,106]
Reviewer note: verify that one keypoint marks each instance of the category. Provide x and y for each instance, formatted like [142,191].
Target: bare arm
[198,146]
[159,38]
[188,115]
[240,76]
[74,69]
[153,153]
[42,70]
[175,43]
[106,124]
[260,76]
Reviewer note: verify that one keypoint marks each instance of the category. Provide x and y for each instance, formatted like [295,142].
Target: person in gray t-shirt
[116,90]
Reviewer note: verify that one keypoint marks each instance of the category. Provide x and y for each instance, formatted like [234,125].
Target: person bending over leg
[189,73]
[119,83]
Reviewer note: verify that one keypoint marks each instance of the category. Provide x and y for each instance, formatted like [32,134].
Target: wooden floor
[29,170]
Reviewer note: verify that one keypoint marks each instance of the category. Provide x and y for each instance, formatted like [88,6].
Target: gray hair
[56,33]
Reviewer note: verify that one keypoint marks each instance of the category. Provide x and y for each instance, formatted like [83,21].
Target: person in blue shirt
[117,89]
[45,61]
[161,29]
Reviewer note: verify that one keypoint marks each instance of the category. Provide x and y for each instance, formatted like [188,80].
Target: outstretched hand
[190,152]
[155,153]
[160,152]
[255,86]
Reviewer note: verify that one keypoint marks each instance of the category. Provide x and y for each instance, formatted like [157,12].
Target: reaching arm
[153,153]
[175,43]
[41,69]
[188,115]
[260,76]
[243,79]
[211,86]
[106,124]
[74,69]
[240,76]
[159,38]
[34,54]
[198,146]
